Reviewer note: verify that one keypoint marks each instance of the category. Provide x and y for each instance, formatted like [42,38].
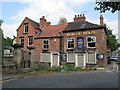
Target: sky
[13,13]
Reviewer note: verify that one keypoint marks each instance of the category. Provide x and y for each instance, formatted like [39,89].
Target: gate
[26,60]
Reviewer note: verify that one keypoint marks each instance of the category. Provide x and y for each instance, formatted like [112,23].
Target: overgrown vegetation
[63,68]
[112,42]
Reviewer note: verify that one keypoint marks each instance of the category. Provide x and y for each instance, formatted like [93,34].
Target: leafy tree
[7,41]
[112,42]
[62,20]
[104,5]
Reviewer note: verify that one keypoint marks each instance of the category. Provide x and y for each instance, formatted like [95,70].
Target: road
[69,80]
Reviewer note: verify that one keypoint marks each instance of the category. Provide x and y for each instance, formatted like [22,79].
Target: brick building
[79,42]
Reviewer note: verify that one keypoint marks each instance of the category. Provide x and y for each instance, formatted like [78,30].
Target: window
[70,43]
[22,41]
[91,57]
[30,41]
[26,28]
[91,42]
[45,44]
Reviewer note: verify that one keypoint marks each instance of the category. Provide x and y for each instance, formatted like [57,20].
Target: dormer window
[45,44]
[26,28]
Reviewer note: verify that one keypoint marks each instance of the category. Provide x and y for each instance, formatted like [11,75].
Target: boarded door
[80,60]
[55,60]
[71,57]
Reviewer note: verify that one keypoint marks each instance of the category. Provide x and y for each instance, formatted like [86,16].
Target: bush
[56,69]
[41,67]
[70,67]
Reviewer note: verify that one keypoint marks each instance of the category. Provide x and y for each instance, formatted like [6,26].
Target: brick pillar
[17,55]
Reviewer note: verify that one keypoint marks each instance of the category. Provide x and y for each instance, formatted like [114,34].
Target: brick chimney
[48,24]
[101,20]
[42,22]
[79,18]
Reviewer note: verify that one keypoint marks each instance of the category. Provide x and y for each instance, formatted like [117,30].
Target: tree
[7,41]
[62,20]
[112,42]
[104,5]
[1,21]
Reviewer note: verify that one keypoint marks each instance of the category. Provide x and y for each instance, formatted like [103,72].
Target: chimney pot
[48,24]
[101,20]
[42,22]
[43,17]
[80,18]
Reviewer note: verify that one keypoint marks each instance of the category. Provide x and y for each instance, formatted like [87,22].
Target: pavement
[8,77]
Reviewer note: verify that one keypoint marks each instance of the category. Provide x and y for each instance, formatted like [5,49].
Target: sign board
[80,42]
[100,56]
[108,50]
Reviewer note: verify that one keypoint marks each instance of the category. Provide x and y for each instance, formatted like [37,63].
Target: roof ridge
[32,20]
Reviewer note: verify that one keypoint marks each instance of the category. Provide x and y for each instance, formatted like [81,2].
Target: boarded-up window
[91,57]
[45,57]
[71,57]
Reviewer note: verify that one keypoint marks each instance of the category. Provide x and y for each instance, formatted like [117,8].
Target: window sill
[31,47]
[45,49]
[25,33]
[70,49]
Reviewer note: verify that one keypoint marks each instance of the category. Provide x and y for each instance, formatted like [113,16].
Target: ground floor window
[45,57]
[91,57]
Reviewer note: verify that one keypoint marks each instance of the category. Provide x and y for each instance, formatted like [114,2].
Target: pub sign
[80,42]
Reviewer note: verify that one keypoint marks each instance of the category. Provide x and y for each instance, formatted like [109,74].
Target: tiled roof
[81,26]
[35,24]
[53,30]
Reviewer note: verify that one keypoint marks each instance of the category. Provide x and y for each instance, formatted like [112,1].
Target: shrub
[56,69]
[41,67]
[70,67]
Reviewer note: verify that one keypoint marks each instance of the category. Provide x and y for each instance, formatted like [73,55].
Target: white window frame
[88,42]
[67,43]
[91,62]
[29,40]
[21,41]
[41,60]
[26,24]
[43,44]
[68,58]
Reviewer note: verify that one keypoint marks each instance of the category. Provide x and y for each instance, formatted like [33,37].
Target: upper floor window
[30,41]
[26,28]
[45,44]
[22,41]
[70,43]
[91,42]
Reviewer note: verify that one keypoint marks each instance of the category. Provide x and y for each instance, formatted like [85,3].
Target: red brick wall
[31,32]
[54,45]
[100,41]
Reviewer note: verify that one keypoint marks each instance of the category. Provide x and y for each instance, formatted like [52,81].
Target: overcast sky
[14,12]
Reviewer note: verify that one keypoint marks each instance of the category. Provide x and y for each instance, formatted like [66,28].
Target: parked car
[115,58]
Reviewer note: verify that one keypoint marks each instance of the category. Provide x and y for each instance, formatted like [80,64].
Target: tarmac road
[69,80]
